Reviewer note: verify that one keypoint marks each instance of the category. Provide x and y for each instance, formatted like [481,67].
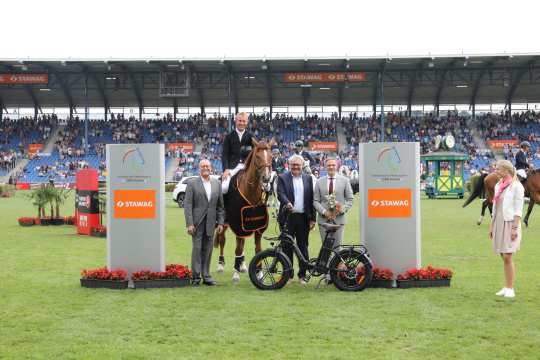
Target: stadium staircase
[341,138]
[172,165]
[481,143]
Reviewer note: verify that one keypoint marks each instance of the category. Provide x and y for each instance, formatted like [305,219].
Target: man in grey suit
[340,186]
[203,210]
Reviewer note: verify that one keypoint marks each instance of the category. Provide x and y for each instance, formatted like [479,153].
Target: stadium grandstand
[57,115]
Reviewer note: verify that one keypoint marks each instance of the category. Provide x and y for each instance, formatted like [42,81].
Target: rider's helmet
[525,144]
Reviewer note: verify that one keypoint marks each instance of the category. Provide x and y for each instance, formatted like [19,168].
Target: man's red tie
[331,186]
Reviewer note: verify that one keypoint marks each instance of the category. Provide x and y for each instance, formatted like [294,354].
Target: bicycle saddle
[330,227]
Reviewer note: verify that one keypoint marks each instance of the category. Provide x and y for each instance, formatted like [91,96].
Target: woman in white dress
[505,229]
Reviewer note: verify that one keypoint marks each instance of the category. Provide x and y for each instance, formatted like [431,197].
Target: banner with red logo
[323,146]
[185,147]
[324,77]
[24,79]
[34,148]
[499,144]
[87,201]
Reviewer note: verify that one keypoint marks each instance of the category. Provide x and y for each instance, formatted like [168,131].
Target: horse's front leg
[239,265]
[258,246]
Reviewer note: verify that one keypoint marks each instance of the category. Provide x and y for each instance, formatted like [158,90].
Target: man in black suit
[299,150]
[295,194]
[522,165]
[236,147]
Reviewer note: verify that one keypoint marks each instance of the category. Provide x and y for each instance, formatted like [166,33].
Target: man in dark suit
[203,210]
[295,194]
[236,147]
[299,150]
[522,165]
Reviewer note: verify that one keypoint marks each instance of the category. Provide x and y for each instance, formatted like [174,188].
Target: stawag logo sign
[389,203]
[134,204]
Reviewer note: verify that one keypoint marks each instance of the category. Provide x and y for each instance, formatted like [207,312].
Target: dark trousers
[298,228]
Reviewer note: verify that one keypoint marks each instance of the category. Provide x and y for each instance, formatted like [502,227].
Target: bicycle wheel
[269,270]
[351,270]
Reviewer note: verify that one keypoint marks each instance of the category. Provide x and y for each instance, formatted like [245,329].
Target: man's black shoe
[195,282]
[209,282]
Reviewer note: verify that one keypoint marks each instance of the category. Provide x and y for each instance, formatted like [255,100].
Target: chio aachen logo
[133,159]
[389,157]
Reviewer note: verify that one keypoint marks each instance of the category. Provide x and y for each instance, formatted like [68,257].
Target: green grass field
[45,314]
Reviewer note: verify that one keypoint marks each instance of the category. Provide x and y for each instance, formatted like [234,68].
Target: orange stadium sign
[324,77]
[323,146]
[24,79]
[389,203]
[34,148]
[185,147]
[134,204]
[499,144]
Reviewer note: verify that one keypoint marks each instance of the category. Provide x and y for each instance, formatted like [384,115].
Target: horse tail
[477,188]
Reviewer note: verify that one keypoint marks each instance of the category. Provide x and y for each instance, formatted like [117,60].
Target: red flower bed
[172,271]
[26,221]
[427,273]
[382,274]
[99,230]
[104,274]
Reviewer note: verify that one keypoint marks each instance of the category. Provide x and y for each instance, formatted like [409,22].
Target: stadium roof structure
[140,83]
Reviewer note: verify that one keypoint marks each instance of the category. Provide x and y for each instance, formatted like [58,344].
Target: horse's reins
[263,196]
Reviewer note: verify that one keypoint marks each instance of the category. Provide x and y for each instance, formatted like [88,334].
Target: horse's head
[262,160]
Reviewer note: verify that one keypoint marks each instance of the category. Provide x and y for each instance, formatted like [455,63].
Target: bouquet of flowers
[334,207]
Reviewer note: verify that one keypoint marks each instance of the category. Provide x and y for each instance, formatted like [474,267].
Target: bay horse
[250,184]
[484,186]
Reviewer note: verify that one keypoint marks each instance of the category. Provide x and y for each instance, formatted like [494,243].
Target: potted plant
[175,275]
[69,220]
[424,277]
[6,190]
[104,278]
[382,278]
[26,221]
[99,231]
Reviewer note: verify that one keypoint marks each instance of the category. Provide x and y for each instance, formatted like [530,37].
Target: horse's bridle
[259,168]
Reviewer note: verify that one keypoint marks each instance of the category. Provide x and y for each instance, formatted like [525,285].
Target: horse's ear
[254,142]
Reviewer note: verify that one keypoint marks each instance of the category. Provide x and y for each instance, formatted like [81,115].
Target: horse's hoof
[243,267]
[236,276]
[220,268]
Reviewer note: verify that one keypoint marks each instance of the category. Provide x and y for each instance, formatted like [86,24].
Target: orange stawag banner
[499,144]
[24,79]
[134,204]
[34,148]
[323,146]
[324,77]
[389,203]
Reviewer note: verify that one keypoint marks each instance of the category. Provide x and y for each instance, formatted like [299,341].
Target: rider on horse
[522,165]
[236,147]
